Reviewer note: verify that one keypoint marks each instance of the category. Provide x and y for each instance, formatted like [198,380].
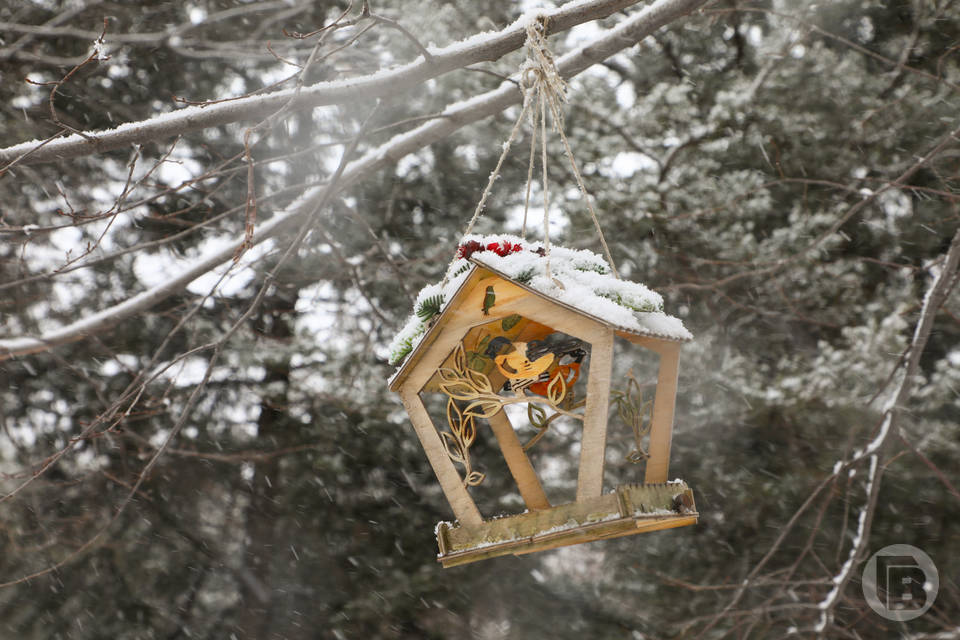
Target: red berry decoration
[467,249]
[501,248]
[504,248]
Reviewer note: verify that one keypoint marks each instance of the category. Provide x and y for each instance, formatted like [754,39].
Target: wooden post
[661,429]
[593,445]
[464,508]
[519,463]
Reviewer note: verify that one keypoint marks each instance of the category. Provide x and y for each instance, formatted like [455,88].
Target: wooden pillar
[593,445]
[519,463]
[464,508]
[661,429]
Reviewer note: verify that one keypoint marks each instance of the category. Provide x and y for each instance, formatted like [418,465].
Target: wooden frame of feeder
[631,509]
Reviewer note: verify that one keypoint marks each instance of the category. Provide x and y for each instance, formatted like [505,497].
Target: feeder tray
[629,510]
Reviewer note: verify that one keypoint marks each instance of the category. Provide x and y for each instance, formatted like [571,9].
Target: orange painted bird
[514,364]
[527,365]
[563,347]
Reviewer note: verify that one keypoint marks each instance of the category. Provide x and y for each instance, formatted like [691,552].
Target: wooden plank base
[629,510]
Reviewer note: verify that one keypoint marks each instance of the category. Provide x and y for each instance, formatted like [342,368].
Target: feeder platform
[630,509]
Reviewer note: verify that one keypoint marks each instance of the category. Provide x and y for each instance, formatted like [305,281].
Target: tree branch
[906,369]
[383,83]
[935,296]
[454,117]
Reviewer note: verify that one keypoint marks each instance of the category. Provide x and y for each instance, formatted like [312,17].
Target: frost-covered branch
[52,29]
[479,48]
[454,117]
[187,411]
[944,278]
[946,273]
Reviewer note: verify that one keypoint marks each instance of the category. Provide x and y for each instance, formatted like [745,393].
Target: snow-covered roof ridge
[589,287]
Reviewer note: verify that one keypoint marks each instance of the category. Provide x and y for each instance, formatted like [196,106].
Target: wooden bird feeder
[498,343]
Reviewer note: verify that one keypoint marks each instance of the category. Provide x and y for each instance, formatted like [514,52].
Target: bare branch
[936,295]
[933,467]
[906,369]
[217,349]
[427,56]
[379,84]
[14,48]
[624,35]
[51,30]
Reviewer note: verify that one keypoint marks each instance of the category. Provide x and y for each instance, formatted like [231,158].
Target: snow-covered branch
[944,278]
[946,273]
[454,117]
[479,48]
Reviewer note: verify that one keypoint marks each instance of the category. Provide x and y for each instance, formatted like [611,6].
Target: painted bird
[489,299]
[569,353]
[559,344]
[512,361]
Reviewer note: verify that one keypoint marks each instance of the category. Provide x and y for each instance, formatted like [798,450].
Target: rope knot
[538,73]
[530,77]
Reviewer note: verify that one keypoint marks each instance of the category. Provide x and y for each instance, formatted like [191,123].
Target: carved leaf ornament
[470,395]
[635,412]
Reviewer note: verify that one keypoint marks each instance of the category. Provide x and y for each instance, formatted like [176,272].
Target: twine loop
[544,90]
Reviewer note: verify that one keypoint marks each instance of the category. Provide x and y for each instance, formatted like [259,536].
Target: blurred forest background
[226,462]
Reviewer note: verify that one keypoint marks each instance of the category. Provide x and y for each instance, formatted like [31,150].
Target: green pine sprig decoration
[430,307]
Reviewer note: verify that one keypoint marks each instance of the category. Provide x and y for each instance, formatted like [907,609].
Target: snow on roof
[589,286]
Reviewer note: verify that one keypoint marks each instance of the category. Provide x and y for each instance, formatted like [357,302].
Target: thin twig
[933,467]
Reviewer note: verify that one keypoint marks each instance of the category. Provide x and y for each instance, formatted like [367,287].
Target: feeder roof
[652,324]
[589,288]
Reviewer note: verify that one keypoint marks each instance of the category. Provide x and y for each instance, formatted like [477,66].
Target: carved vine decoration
[471,389]
[539,419]
[463,431]
[636,413]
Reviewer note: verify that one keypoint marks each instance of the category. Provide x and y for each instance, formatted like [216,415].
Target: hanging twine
[539,77]
[543,90]
[533,156]
[493,177]
[549,84]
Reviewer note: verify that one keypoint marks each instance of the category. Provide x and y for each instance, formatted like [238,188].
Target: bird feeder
[496,341]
